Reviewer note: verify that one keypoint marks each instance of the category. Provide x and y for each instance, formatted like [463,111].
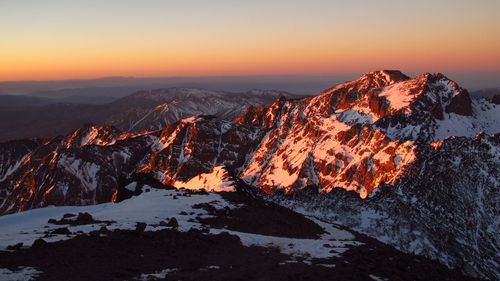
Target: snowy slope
[485,119]
[177,233]
[150,207]
[154,208]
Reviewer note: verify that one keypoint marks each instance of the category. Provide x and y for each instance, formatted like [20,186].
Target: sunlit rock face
[217,180]
[82,168]
[445,209]
[197,145]
[359,134]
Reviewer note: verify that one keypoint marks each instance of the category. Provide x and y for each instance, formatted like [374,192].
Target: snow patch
[23,273]
[308,248]
[131,186]
[86,172]
[376,278]
[399,95]
[162,274]
[486,119]
[13,168]
[354,117]
[149,207]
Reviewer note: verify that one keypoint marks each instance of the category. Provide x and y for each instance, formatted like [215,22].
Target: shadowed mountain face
[412,161]
[144,110]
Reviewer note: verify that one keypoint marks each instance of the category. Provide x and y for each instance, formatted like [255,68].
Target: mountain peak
[381,78]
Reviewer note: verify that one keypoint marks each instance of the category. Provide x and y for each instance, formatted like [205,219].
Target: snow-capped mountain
[153,110]
[362,133]
[92,164]
[421,157]
[446,208]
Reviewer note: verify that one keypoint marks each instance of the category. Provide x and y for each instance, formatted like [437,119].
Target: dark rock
[15,247]
[39,243]
[227,236]
[173,222]
[104,230]
[460,104]
[496,99]
[62,230]
[140,227]
[84,218]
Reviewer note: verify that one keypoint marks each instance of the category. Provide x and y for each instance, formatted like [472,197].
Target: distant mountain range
[26,116]
[414,162]
[19,102]
[121,86]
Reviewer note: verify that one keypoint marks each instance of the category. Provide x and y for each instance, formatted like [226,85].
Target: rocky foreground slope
[185,235]
[420,158]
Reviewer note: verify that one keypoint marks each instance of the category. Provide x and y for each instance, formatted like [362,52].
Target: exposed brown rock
[460,104]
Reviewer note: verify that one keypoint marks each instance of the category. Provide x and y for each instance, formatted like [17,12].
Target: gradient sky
[61,39]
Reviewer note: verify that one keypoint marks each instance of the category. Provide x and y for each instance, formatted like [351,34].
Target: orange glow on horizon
[272,63]
[217,40]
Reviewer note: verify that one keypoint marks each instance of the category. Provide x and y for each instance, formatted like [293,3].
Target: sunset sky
[84,39]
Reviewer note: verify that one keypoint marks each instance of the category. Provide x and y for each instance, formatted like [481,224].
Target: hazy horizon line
[410,73]
[180,76]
